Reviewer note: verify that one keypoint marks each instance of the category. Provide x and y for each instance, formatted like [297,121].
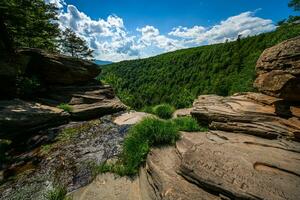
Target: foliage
[163,111]
[75,46]
[149,132]
[188,124]
[30,23]
[295,4]
[177,78]
[27,86]
[65,107]
[57,193]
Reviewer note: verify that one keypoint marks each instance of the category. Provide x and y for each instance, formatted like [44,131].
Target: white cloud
[112,41]
[244,24]
[185,32]
[58,3]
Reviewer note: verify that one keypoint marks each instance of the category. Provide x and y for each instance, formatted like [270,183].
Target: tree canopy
[29,23]
[179,77]
[74,46]
[295,4]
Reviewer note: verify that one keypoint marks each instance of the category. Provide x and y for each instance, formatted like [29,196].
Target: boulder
[58,69]
[17,118]
[278,70]
[87,101]
[184,112]
[251,113]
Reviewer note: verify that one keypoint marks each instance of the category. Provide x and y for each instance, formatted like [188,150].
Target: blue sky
[129,29]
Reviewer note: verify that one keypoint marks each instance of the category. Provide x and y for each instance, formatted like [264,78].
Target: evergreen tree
[29,23]
[295,4]
[74,46]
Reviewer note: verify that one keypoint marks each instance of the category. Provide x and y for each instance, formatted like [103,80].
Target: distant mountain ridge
[179,77]
[102,62]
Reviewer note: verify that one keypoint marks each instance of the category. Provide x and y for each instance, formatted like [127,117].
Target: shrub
[65,107]
[149,132]
[188,124]
[147,109]
[164,111]
[57,193]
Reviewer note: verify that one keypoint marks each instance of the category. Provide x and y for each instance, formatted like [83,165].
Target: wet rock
[18,117]
[67,160]
[278,70]
[250,113]
[58,69]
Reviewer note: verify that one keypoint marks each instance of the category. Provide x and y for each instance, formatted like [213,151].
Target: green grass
[188,124]
[65,107]
[57,193]
[141,137]
[149,132]
[163,111]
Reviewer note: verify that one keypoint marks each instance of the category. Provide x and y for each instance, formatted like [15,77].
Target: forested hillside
[178,77]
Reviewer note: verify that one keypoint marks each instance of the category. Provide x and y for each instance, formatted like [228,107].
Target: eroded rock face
[224,165]
[278,70]
[59,69]
[18,117]
[250,113]
[63,155]
[87,101]
[240,166]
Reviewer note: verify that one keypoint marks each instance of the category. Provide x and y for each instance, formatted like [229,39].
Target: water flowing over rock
[278,70]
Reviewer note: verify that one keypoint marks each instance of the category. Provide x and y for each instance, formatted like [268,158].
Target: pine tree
[295,4]
[74,46]
[29,23]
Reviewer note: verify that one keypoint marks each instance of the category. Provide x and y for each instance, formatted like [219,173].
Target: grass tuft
[163,111]
[149,132]
[188,124]
[57,193]
[65,107]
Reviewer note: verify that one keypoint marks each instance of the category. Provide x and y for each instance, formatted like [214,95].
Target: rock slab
[251,113]
[58,69]
[18,117]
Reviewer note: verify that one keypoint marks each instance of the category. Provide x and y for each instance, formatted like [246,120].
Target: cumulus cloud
[244,24]
[185,32]
[58,3]
[112,41]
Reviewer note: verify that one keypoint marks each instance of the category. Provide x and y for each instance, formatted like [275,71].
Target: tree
[295,4]
[74,46]
[29,23]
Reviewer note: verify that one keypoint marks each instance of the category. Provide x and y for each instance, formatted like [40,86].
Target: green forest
[178,77]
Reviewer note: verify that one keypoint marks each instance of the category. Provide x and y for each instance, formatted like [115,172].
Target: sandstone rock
[18,117]
[131,117]
[278,70]
[182,112]
[250,113]
[238,166]
[87,101]
[109,186]
[59,69]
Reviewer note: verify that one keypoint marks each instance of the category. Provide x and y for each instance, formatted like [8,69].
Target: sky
[129,29]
